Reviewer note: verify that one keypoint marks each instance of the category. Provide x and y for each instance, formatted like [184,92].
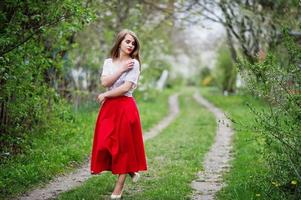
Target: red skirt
[118,142]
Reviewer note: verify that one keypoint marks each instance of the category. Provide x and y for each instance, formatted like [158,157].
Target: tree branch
[37,29]
[220,20]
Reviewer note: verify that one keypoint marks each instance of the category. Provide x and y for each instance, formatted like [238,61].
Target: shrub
[33,40]
[206,77]
[225,71]
[277,79]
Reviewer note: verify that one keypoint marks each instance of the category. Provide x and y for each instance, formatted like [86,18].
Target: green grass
[174,157]
[64,147]
[245,179]
[154,109]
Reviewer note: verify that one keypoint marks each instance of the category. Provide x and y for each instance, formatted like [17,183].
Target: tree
[34,37]
[254,24]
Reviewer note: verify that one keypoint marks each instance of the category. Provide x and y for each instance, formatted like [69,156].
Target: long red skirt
[118,142]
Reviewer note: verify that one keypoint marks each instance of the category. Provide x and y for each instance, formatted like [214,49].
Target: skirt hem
[117,172]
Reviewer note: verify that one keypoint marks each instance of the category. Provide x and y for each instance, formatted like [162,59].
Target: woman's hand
[127,65]
[100,98]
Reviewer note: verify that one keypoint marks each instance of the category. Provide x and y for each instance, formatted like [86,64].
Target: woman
[118,143]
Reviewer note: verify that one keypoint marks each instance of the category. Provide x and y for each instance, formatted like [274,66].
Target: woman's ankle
[118,189]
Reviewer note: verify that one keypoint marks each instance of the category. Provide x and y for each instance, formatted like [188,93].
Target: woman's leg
[119,184]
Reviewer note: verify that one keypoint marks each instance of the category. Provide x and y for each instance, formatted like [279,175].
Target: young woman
[118,143]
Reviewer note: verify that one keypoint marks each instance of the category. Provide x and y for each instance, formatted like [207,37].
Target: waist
[124,97]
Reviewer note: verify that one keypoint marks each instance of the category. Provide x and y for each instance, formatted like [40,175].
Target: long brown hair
[114,53]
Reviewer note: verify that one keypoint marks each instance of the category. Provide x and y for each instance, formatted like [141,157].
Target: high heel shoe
[135,177]
[117,196]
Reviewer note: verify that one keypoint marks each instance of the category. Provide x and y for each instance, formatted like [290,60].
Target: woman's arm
[118,91]
[109,80]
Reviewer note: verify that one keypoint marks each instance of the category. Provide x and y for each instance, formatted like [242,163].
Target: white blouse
[132,75]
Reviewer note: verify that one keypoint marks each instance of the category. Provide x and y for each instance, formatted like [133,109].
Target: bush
[206,77]
[33,40]
[277,79]
[225,71]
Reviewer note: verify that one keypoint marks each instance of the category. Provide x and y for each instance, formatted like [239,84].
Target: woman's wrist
[105,94]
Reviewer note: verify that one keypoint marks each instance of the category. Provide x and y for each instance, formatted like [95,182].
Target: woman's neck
[123,56]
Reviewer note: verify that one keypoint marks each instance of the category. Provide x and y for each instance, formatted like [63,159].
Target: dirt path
[216,161]
[74,179]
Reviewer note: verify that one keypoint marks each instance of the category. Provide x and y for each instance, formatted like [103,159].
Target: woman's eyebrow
[130,40]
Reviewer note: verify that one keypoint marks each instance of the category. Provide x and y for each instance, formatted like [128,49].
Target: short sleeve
[133,74]
[105,67]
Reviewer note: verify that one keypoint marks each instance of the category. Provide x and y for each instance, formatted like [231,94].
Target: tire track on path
[64,183]
[216,161]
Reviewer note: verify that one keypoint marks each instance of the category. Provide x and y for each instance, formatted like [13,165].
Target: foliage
[277,79]
[225,71]
[33,40]
[206,77]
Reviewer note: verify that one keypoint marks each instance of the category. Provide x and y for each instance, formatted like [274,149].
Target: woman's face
[128,44]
